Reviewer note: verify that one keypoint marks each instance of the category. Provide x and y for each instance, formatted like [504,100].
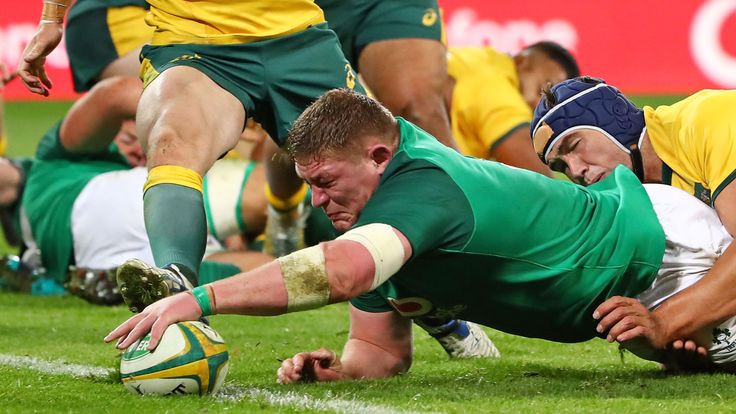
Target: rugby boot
[284,232]
[462,339]
[141,284]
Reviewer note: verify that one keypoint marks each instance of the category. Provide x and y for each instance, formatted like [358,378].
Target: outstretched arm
[379,346]
[48,36]
[95,119]
[291,283]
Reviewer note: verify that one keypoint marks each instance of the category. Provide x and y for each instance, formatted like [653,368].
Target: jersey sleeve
[371,302]
[497,108]
[425,205]
[51,148]
[715,144]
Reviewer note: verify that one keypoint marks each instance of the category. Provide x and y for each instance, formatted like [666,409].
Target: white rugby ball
[191,358]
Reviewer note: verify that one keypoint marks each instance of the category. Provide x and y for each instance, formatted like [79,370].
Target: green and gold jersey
[487,105]
[509,248]
[54,182]
[696,140]
[229,21]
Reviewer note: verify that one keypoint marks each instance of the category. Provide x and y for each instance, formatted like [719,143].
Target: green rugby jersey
[509,248]
[54,182]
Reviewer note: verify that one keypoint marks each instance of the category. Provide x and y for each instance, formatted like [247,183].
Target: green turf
[532,376]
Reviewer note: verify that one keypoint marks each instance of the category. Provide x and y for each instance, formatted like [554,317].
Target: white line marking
[228,393]
[53,368]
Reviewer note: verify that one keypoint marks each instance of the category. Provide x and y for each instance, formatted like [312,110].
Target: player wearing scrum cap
[585,128]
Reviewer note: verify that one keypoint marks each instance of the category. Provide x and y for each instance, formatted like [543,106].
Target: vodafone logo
[705,42]
[463,28]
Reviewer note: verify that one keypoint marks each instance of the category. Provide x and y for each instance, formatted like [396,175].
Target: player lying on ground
[431,233]
[585,128]
[81,199]
[491,96]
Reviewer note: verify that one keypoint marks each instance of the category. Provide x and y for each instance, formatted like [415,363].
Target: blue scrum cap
[586,102]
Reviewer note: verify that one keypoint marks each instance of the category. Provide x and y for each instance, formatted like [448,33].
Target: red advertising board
[640,46]
[643,47]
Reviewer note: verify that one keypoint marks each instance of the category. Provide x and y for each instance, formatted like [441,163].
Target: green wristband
[203,300]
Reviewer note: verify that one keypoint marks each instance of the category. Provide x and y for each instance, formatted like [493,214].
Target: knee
[416,104]
[166,146]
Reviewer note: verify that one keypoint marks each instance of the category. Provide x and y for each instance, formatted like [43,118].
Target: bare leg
[415,90]
[126,65]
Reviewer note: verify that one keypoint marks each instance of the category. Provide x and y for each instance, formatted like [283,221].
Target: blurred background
[654,50]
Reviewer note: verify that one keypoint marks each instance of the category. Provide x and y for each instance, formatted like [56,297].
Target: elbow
[350,273]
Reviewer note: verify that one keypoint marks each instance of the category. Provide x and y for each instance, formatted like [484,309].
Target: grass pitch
[532,375]
[41,339]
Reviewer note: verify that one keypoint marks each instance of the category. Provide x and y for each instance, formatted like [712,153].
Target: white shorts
[107,221]
[223,196]
[695,239]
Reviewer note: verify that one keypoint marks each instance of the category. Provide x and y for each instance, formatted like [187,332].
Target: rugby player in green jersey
[431,233]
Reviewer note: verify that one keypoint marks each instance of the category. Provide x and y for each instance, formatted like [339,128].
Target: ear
[521,60]
[381,155]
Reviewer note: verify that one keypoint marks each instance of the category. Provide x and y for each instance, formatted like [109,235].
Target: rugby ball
[191,358]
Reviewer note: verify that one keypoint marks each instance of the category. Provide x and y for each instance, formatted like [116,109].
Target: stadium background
[656,51]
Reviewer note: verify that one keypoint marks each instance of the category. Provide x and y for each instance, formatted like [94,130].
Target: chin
[341,225]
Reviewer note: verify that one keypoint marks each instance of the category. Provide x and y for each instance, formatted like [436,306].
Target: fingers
[45,79]
[32,83]
[157,331]
[123,329]
[140,329]
[612,304]
[291,369]
[621,318]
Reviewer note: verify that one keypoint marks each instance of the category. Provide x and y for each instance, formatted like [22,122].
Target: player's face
[535,75]
[587,156]
[129,146]
[341,187]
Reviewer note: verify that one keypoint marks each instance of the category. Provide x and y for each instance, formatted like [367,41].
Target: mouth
[600,177]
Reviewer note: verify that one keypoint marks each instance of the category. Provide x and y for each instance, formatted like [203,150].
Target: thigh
[126,65]
[399,68]
[185,118]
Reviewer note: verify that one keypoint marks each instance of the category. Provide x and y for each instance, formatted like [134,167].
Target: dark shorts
[360,22]
[96,35]
[274,79]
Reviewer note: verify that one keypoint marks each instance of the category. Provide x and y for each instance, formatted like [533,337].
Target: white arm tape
[305,279]
[384,246]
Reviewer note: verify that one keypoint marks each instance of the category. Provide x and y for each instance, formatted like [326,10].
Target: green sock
[176,227]
[213,271]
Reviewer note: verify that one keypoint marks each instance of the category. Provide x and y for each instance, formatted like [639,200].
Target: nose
[319,197]
[576,169]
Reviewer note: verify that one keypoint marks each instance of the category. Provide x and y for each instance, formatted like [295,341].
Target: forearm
[302,280]
[363,359]
[706,303]
[260,292]
[95,119]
